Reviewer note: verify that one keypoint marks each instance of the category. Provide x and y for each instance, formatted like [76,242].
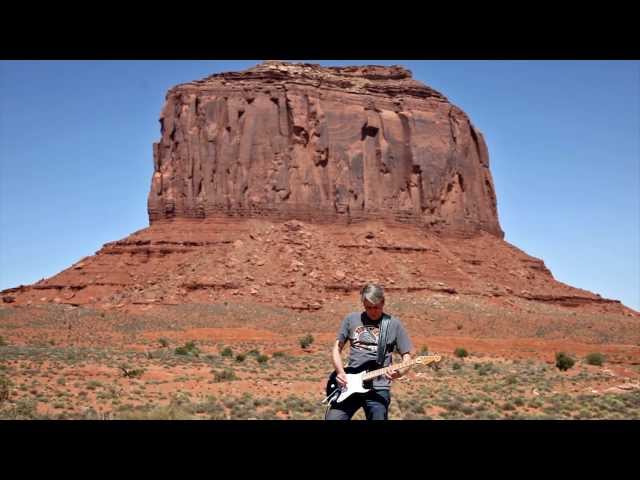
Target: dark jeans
[374,402]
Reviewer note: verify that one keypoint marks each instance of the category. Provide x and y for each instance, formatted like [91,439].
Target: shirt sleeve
[403,344]
[343,333]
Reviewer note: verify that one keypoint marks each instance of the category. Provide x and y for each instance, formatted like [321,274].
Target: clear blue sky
[563,136]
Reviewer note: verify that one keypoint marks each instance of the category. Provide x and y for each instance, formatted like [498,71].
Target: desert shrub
[23,409]
[224,375]
[180,351]
[262,358]
[454,405]
[5,390]
[484,368]
[511,379]
[173,411]
[595,359]
[278,354]
[467,410]
[563,361]
[188,348]
[213,408]
[227,352]
[306,340]
[424,350]
[535,403]
[3,342]
[129,372]
[456,366]
[240,357]
[93,384]
[261,402]
[460,352]
[241,411]
[26,409]
[253,352]
[163,342]
[295,403]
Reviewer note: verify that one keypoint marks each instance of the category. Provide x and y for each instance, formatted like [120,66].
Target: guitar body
[355,377]
[354,381]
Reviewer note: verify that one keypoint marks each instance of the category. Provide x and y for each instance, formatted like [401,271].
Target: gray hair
[372,293]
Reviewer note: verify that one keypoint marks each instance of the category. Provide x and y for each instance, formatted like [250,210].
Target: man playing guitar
[363,331]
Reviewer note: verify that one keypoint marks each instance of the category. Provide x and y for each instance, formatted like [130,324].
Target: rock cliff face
[321,144]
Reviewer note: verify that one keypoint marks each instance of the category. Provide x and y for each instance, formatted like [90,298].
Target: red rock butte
[291,185]
[322,144]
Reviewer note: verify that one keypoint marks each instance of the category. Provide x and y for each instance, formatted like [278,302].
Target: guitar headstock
[427,359]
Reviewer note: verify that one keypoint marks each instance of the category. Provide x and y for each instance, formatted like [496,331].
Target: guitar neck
[390,368]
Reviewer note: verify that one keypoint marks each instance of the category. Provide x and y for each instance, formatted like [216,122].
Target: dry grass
[54,363]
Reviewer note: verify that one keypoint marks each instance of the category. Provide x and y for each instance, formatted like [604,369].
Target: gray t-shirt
[362,333]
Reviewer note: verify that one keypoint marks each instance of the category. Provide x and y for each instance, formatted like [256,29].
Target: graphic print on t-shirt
[365,338]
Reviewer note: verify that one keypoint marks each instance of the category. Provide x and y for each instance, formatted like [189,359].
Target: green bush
[188,348]
[563,361]
[595,359]
[456,366]
[306,340]
[262,358]
[227,352]
[460,352]
[163,342]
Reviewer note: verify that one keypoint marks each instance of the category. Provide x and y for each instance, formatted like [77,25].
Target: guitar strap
[382,339]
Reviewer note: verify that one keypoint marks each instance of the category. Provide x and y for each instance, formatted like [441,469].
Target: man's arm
[337,362]
[403,345]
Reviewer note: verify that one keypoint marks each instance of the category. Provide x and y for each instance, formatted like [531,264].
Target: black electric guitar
[356,377]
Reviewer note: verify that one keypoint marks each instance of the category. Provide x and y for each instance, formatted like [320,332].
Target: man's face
[374,311]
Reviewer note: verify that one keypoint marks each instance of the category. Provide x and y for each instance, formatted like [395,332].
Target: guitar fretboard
[391,368]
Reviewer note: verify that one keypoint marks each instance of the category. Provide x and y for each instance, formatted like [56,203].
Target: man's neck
[367,317]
